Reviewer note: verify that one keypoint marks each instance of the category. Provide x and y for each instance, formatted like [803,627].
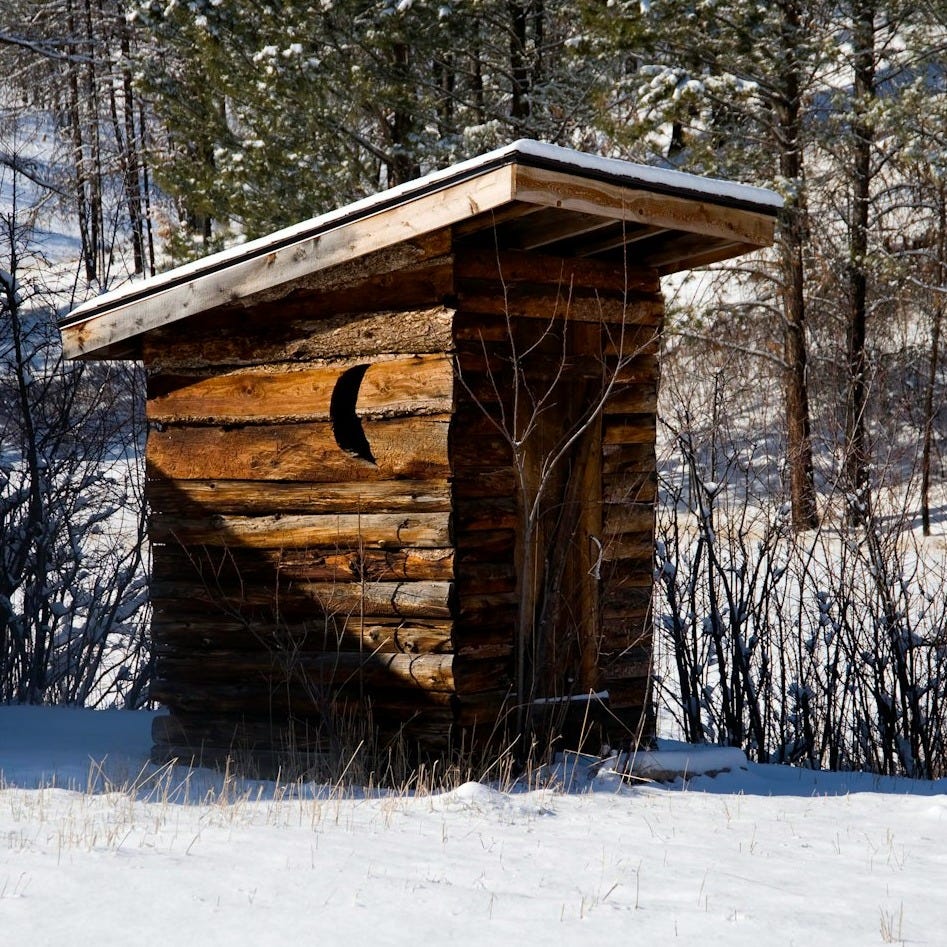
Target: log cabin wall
[298,572]
[547,348]
[298,479]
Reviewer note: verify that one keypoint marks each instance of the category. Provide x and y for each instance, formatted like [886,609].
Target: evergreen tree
[279,112]
[726,87]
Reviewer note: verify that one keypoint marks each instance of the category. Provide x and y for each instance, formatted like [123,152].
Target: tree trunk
[792,240]
[857,454]
[519,67]
[940,274]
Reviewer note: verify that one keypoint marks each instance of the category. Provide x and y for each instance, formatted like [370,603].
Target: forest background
[800,603]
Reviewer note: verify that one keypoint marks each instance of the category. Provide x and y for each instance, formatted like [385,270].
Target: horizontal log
[330,739]
[269,740]
[241,736]
[192,635]
[628,545]
[493,362]
[470,631]
[619,598]
[628,429]
[493,606]
[634,695]
[402,599]
[633,399]
[609,344]
[633,487]
[513,267]
[493,546]
[622,637]
[476,330]
[249,497]
[626,612]
[414,449]
[189,631]
[304,600]
[429,672]
[404,320]
[633,570]
[294,531]
[485,515]
[483,643]
[472,422]
[485,577]
[621,518]
[474,297]
[484,715]
[484,483]
[378,270]
[479,393]
[414,271]
[227,682]
[479,676]
[390,388]
[231,567]
[263,700]
[634,341]
[486,451]
[618,460]
[642,369]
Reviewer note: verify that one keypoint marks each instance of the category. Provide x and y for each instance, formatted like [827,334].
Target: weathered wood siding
[584,335]
[291,573]
[297,572]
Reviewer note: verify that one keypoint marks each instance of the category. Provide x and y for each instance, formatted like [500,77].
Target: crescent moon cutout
[346,426]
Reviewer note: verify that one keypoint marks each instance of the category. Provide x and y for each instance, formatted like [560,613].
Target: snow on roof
[662,179]
[524,151]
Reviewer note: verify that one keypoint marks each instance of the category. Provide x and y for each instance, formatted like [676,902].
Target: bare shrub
[825,649]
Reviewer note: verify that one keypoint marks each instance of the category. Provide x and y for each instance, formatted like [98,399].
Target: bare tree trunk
[940,274]
[91,96]
[132,160]
[401,166]
[146,187]
[792,240]
[519,64]
[857,452]
[78,147]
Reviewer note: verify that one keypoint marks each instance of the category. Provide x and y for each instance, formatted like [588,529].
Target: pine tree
[277,113]
[725,87]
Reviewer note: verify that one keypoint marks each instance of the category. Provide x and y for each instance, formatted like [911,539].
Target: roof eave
[732,217]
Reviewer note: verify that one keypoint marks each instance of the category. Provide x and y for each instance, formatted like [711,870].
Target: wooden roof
[528,196]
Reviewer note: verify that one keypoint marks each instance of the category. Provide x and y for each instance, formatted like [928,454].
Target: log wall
[303,563]
[584,336]
[316,552]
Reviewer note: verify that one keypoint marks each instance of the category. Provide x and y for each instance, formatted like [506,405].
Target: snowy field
[756,855]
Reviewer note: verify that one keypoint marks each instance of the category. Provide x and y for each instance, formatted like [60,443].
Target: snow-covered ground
[755,855]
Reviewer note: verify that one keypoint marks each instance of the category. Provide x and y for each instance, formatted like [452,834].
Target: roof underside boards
[528,196]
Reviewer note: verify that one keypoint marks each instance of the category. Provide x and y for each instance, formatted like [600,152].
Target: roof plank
[555,189]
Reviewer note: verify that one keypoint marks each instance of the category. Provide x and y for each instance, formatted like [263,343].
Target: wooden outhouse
[401,457]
